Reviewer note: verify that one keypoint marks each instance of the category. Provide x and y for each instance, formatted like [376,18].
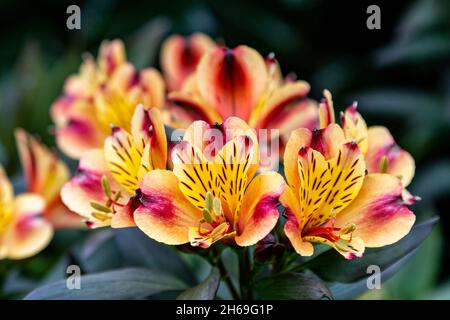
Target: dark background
[400,75]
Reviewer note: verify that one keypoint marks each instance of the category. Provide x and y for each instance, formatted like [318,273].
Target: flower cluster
[344,184]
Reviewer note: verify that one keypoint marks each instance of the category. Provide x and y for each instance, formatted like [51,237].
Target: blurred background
[400,75]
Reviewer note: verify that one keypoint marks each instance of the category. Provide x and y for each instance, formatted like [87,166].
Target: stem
[245,271]
[226,277]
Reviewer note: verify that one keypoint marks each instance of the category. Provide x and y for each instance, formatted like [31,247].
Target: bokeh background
[400,75]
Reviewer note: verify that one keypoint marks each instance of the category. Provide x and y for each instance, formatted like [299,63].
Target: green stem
[226,277]
[245,272]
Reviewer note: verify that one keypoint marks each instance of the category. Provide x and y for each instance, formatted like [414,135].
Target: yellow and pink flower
[331,199]
[104,189]
[102,94]
[212,193]
[23,228]
[45,174]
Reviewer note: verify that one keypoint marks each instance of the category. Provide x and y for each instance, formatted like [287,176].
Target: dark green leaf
[206,290]
[345,291]
[330,265]
[297,286]
[132,283]
[141,251]
[99,252]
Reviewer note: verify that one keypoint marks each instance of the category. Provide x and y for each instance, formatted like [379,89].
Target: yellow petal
[345,180]
[123,157]
[232,164]
[196,175]
[355,128]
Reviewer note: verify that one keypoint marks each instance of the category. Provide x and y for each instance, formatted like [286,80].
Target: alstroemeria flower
[180,56]
[331,200]
[240,82]
[101,95]
[104,188]
[23,229]
[45,174]
[212,193]
[380,150]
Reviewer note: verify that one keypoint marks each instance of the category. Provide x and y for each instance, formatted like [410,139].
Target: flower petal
[327,141]
[180,56]
[345,175]
[79,131]
[153,89]
[259,210]
[293,232]
[195,174]
[232,80]
[111,56]
[326,110]
[29,232]
[147,125]
[232,165]
[355,127]
[124,159]
[379,213]
[399,162]
[6,190]
[280,102]
[45,174]
[86,186]
[165,215]
[184,108]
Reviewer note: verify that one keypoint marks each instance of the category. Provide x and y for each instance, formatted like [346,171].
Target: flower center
[214,225]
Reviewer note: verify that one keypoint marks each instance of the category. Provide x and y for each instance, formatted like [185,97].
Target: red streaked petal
[165,215]
[180,56]
[379,213]
[399,162]
[147,125]
[293,232]
[232,80]
[184,108]
[259,210]
[326,110]
[30,232]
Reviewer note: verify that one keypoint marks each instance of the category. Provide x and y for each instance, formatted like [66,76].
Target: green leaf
[297,286]
[141,251]
[346,291]
[132,283]
[330,265]
[98,252]
[424,264]
[206,290]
